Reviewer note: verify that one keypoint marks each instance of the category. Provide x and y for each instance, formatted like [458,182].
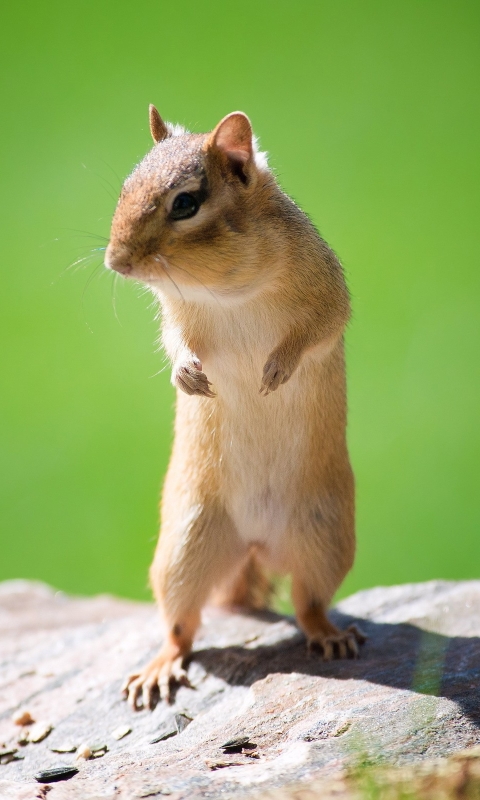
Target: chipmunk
[254,306]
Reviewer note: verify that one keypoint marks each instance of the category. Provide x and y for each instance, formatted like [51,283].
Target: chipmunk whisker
[195,278]
[164,265]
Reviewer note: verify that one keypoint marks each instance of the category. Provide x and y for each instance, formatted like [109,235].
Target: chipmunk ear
[233,138]
[158,129]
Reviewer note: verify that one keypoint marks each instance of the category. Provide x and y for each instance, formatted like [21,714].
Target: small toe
[148,689]
[179,673]
[343,645]
[164,686]
[352,646]
[327,650]
[342,648]
[360,637]
[134,692]
[127,682]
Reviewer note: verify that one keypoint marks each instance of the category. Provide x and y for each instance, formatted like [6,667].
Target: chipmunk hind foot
[341,644]
[161,677]
[322,635]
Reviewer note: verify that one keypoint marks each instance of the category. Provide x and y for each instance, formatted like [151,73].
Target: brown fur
[254,306]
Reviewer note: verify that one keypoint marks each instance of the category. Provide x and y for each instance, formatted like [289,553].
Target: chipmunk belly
[262,450]
[262,442]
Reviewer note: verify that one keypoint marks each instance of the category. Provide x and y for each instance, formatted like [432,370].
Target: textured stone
[413,695]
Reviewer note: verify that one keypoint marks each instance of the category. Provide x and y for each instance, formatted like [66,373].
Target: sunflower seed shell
[39,732]
[162,735]
[56,774]
[121,731]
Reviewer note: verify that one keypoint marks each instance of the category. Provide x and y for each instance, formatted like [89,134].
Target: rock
[409,706]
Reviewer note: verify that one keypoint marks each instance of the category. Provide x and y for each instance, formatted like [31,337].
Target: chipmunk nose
[118,258]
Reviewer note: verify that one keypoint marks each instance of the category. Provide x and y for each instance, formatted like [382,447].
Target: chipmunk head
[184,214]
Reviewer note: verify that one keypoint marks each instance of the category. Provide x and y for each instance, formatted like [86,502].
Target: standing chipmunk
[254,307]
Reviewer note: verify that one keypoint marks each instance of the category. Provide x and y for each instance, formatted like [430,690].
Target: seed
[152,790]
[99,747]
[238,745]
[7,751]
[23,736]
[219,763]
[39,732]
[121,731]
[96,750]
[83,752]
[66,747]
[181,721]
[239,741]
[22,717]
[10,757]
[56,774]
[8,754]
[164,733]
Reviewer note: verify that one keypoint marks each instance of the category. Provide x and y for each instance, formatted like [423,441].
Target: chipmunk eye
[184,206]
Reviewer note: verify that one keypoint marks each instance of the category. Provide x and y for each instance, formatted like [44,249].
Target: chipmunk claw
[343,644]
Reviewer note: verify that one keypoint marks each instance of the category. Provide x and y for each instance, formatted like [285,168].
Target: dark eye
[184,206]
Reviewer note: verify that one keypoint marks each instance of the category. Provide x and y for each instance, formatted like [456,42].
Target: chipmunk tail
[248,587]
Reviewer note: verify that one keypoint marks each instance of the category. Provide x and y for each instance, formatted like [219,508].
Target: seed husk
[220,763]
[56,774]
[22,717]
[23,737]
[8,754]
[7,751]
[239,741]
[237,745]
[98,749]
[95,750]
[11,757]
[83,752]
[163,734]
[65,747]
[181,721]
[121,731]
[39,732]
[246,749]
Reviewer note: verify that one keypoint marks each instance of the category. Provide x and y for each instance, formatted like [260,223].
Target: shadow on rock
[395,655]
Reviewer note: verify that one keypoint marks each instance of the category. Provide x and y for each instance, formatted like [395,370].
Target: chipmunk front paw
[188,377]
[275,372]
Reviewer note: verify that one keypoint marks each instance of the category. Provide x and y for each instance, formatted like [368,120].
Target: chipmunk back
[254,306]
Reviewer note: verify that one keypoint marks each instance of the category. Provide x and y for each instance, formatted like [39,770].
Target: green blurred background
[370,113]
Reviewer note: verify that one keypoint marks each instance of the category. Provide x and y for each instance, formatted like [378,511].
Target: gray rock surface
[412,695]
